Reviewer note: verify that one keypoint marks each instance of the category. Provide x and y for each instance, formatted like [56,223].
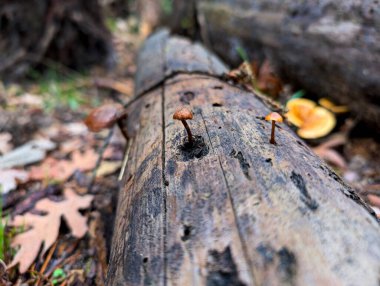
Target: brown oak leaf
[44,230]
[9,179]
[5,145]
[327,153]
[61,170]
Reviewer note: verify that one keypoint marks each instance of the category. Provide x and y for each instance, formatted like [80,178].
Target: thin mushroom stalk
[272,141]
[274,117]
[121,126]
[184,114]
[189,134]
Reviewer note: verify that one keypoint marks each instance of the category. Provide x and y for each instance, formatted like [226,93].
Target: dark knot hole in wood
[187,232]
[186,97]
[192,150]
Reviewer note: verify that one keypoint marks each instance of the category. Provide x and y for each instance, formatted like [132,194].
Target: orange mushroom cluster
[312,121]
[326,103]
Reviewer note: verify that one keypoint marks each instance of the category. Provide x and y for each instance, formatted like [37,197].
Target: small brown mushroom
[184,114]
[106,116]
[274,117]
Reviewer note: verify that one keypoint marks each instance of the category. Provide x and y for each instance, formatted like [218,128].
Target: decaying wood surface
[234,210]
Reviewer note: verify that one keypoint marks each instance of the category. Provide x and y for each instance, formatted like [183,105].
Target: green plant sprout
[58,276]
[298,94]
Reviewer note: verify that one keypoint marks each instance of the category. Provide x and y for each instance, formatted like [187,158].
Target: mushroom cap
[319,123]
[274,116]
[182,113]
[313,121]
[326,103]
[103,117]
[299,110]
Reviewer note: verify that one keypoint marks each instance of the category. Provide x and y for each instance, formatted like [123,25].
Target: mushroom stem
[272,141]
[189,135]
[121,125]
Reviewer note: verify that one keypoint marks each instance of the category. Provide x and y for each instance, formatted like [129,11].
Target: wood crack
[244,246]
[164,182]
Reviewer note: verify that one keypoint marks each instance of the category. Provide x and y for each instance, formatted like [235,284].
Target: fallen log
[330,48]
[232,209]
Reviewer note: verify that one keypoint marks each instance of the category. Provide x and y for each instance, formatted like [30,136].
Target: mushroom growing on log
[274,117]
[184,114]
[244,213]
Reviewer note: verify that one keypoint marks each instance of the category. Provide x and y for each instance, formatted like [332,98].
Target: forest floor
[44,116]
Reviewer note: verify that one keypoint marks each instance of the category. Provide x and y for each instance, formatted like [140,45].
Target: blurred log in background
[329,48]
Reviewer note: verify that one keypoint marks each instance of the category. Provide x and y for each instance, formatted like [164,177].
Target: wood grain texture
[168,56]
[235,210]
[138,241]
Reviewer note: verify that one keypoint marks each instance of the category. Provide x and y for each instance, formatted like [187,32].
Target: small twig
[29,202]
[46,262]
[63,259]
[125,161]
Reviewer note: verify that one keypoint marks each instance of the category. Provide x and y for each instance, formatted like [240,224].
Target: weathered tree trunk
[330,48]
[70,32]
[234,209]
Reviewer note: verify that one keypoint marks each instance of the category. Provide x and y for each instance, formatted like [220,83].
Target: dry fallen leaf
[50,169]
[267,81]
[374,200]
[84,161]
[377,211]
[45,229]
[121,87]
[61,170]
[5,146]
[9,179]
[243,74]
[75,128]
[108,168]
[327,153]
[332,156]
[27,99]
[28,153]
[72,145]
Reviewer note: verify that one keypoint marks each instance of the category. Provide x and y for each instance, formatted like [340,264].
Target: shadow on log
[71,33]
[245,212]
